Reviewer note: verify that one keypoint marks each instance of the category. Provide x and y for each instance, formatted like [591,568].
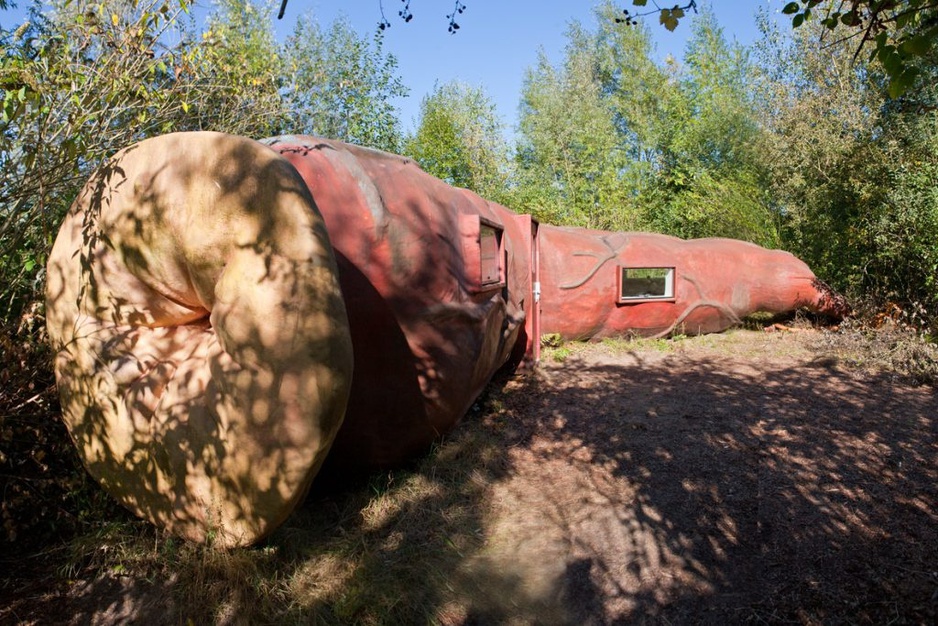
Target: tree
[95,77]
[340,85]
[76,86]
[571,161]
[852,170]
[459,139]
[611,140]
[712,178]
[232,77]
[899,33]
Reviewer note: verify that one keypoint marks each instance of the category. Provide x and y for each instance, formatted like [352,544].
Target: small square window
[490,254]
[483,252]
[638,284]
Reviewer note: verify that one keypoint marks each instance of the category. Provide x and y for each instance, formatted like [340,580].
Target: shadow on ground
[631,486]
[692,487]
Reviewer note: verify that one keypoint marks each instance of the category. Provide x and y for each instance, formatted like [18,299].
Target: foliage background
[788,144]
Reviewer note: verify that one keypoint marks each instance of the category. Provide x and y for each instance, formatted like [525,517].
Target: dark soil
[739,478]
[725,479]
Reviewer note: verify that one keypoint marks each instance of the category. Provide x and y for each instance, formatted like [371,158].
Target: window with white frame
[636,284]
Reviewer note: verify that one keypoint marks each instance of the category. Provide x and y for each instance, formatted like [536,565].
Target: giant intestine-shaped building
[229,316]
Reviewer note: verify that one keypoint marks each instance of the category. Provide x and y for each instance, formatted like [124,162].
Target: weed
[558,355]
[892,341]
[617,344]
[551,340]
[658,344]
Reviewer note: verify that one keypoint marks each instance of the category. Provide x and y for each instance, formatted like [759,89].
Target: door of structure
[532,301]
[535,330]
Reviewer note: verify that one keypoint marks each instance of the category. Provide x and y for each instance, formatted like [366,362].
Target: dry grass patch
[747,476]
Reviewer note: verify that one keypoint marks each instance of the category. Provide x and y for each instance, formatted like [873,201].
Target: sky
[498,40]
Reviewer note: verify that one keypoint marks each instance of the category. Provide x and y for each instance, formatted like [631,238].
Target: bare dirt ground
[748,477]
[730,478]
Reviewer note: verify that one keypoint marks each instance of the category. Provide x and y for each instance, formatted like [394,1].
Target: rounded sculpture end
[203,355]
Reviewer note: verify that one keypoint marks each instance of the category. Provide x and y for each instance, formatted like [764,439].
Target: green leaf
[667,19]
[884,51]
[917,45]
[8,108]
[901,83]
[892,62]
[903,19]
[850,18]
[798,20]
[791,7]
[639,3]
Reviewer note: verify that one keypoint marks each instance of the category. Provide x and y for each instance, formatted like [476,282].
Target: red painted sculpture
[601,284]
[436,283]
[435,287]
[442,287]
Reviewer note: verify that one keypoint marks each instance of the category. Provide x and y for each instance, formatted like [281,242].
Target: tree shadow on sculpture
[204,357]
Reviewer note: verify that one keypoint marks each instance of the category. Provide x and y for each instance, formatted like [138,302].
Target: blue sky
[498,39]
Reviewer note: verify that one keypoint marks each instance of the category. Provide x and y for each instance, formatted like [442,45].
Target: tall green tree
[713,180]
[77,84]
[89,78]
[822,112]
[850,167]
[342,86]
[612,140]
[570,159]
[233,71]
[459,139]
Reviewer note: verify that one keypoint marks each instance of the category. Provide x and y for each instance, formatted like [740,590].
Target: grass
[885,339]
[391,549]
[381,551]
[386,550]
[907,353]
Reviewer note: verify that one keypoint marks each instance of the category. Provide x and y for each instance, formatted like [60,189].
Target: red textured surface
[717,282]
[427,336]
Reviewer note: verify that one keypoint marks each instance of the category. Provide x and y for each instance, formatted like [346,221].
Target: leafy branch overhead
[667,17]
[900,32]
[404,13]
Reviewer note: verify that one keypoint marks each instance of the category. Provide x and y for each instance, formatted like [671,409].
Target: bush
[47,495]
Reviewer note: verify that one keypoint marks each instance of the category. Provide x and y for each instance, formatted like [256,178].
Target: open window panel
[644,284]
[483,251]
[491,270]
[491,254]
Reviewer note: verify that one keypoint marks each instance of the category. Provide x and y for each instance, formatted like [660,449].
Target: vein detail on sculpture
[208,295]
